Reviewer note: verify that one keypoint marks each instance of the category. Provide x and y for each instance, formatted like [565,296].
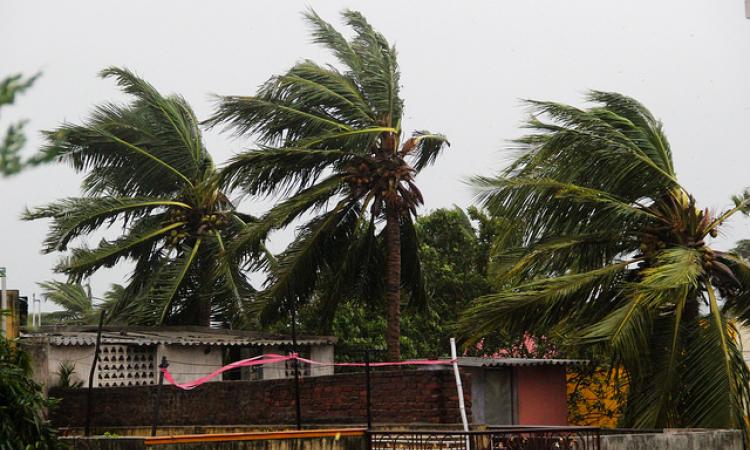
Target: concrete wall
[541,395]
[81,357]
[324,354]
[675,440]
[188,362]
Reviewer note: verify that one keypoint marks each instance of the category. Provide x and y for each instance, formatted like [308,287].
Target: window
[126,365]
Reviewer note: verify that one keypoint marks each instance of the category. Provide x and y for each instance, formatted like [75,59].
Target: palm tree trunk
[204,296]
[393,284]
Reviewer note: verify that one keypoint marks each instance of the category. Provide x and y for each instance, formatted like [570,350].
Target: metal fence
[511,438]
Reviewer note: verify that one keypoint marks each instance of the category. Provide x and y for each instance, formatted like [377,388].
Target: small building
[518,391]
[130,356]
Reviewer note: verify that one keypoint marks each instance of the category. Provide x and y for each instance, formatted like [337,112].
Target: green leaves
[14,139]
[22,418]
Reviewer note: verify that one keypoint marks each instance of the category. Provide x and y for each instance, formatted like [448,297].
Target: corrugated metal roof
[179,336]
[515,362]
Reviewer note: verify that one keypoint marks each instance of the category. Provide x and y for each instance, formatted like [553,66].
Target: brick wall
[397,397]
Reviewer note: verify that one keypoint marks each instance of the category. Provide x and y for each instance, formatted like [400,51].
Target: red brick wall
[542,395]
[397,397]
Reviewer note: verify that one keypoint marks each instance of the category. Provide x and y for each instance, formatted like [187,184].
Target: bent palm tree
[616,255]
[146,166]
[78,306]
[336,137]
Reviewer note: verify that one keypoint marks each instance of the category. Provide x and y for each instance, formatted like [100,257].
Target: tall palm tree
[616,254]
[332,140]
[147,169]
[78,306]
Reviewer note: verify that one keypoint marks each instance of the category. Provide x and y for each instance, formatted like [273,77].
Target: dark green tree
[147,170]
[23,424]
[334,144]
[454,248]
[616,254]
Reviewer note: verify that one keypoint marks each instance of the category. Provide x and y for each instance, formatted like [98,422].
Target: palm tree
[148,170]
[616,256]
[78,307]
[332,140]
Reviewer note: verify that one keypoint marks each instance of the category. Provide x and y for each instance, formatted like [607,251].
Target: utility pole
[4,303]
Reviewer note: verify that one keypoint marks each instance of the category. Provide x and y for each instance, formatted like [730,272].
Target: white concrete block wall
[188,362]
[324,354]
[81,356]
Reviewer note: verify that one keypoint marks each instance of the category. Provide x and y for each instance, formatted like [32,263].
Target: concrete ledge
[674,440]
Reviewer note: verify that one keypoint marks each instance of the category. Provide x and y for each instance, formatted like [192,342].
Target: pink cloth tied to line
[274,358]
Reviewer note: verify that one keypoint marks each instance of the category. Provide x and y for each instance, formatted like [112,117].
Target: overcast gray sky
[465,65]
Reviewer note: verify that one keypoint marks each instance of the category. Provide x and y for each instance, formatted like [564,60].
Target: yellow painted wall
[594,399]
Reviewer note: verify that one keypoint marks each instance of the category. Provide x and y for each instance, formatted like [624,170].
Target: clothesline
[272,358]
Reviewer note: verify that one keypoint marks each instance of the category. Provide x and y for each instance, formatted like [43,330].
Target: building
[130,356]
[518,391]
[17,313]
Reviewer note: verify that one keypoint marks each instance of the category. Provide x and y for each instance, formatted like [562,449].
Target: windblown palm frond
[615,255]
[78,307]
[147,170]
[333,144]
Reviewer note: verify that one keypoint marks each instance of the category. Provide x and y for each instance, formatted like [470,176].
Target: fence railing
[510,438]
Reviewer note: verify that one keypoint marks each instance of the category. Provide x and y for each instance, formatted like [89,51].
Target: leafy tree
[333,141]
[453,250]
[615,255]
[78,306]
[147,168]
[22,404]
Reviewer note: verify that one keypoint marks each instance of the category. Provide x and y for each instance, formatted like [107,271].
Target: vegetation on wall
[23,404]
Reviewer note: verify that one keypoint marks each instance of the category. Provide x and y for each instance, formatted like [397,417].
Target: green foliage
[333,144]
[22,404]
[66,371]
[12,143]
[147,170]
[613,257]
[77,304]
[454,248]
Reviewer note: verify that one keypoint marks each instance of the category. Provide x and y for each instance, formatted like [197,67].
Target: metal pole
[459,386]
[298,408]
[368,390]
[87,428]
[164,364]
[4,303]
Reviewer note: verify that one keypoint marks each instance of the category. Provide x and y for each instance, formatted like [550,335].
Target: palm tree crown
[146,166]
[335,136]
[615,254]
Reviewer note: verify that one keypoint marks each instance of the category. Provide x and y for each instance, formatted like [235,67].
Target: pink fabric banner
[274,358]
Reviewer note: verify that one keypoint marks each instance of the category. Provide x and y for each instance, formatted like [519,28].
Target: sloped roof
[515,362]
[64,336]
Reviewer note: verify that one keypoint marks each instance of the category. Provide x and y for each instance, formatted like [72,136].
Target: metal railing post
[368,391]
[157,401]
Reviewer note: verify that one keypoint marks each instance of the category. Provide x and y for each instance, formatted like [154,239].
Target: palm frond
[83,261]
[74,217]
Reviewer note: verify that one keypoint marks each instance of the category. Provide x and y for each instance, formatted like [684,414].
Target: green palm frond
[78,216]
[83,261]
[614,253]
[147,170]
[73,298]
[345,124]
